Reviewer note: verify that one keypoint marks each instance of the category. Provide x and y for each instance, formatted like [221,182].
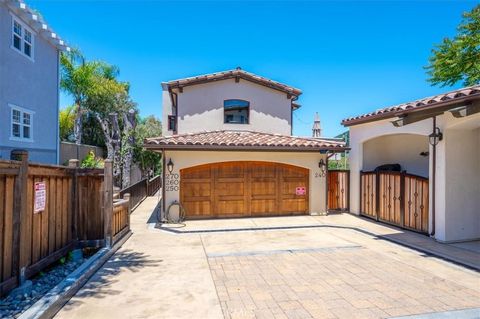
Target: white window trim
[22,44]
[21,110]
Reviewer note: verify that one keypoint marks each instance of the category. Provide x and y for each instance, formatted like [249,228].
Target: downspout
[58,109]
[291,113]
[162,211]
[434,169]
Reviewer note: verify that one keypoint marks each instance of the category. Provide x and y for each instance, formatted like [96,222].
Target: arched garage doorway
[244,189]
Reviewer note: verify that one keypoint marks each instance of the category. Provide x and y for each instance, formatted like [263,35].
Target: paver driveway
[307,272]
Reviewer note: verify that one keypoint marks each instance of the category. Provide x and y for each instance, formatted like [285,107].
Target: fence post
[402,198]
[20,217]
[127,197]
[108,202]
[74,164]
[377,194]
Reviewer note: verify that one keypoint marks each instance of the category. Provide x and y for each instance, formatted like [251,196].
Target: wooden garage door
[242,189]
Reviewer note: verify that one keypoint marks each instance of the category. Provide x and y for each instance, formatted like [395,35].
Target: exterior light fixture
[322,167]
[435,137]
[170,166]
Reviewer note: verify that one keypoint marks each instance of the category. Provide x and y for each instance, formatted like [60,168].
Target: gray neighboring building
[29,83]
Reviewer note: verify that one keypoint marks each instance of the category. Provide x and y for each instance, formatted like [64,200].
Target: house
[228,148]
[29,86]
[436,142]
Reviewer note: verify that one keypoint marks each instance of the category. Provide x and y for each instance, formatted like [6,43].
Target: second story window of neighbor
[22,39]
[236,111]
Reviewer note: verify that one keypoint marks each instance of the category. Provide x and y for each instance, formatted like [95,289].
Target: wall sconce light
[435,137]
[170,166]
[322,167]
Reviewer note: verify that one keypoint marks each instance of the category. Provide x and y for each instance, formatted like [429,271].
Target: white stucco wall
[462,187]
[403,149]
[457,188]
[317,191]
[200,107]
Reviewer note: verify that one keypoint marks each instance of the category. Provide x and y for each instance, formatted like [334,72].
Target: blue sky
[348,57]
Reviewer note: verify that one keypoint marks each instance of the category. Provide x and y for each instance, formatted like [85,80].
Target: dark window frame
[247,107]
[172,123]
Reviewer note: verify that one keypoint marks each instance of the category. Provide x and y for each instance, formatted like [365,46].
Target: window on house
[22,39]
[21,124]
[172,123]
[236,111]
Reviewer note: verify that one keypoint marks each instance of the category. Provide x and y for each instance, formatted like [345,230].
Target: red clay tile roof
[461,95]
[231,74]
[243,140]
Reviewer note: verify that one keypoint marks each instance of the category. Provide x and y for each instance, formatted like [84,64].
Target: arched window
[236,111]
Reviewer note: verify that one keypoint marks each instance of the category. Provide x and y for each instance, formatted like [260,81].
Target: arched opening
[410,151]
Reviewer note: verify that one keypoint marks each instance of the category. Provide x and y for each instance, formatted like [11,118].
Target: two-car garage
[222,174]
[244,189]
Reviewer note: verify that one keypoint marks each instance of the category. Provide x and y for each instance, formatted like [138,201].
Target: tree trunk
[128,143]
[78,125]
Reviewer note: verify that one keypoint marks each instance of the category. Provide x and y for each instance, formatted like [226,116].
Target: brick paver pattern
[350,282]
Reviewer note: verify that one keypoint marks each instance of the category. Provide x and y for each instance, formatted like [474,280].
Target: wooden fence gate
[338,198]
[397,198]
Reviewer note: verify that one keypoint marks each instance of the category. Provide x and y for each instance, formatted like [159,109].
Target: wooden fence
[48,210]
[397,198]
[338,182]
[140,190]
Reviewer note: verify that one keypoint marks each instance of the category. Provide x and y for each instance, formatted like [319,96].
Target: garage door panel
[289,188]
[196,189]
[264,207]
[198,209]
[230,170]
[231,208]
[240,189]
[230,188]
[263,188]
[294,205]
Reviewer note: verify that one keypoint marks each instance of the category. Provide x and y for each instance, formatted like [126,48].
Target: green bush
[90,161]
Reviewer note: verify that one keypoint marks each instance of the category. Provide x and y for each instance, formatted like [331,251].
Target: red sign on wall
[40,197]
[301,190]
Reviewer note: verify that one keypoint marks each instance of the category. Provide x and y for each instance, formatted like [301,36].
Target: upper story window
[21,124]
[22,39]
[236,111]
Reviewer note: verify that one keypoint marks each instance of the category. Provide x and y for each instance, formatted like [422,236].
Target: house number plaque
[172,182]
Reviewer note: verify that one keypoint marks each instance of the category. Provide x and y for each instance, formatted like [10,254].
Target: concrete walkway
[280,267]
[151,276]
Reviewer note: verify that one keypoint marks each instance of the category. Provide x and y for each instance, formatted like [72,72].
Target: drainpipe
[162,211]
[434,169]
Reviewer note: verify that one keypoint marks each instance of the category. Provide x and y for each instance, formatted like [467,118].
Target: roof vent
[238,68]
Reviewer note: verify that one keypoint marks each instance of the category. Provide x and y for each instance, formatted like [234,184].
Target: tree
[147,160]
[66,119]
[458,59]
[79,78]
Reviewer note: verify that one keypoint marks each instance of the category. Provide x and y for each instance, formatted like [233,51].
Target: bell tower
[316,129]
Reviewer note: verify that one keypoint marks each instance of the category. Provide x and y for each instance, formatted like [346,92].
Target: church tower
[316,129]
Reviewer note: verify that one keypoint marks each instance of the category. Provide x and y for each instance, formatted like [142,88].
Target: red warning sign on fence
[40,197]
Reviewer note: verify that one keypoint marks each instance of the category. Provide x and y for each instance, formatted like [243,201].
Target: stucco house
[228,148]
[436,142]
[29,86]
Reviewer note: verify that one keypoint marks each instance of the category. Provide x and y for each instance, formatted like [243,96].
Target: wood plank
[58,213]
[8,228]
[52,200]
[3,237]
[45,220]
